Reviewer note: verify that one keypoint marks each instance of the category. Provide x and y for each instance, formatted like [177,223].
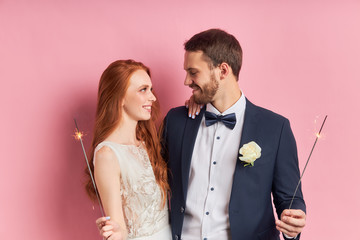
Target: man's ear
[225,70]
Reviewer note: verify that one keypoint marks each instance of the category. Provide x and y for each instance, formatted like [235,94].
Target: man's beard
[207,92]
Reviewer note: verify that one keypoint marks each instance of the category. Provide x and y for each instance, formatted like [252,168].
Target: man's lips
[195,90]
[194,87]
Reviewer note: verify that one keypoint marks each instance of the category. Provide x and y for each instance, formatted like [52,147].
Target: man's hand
[292,222]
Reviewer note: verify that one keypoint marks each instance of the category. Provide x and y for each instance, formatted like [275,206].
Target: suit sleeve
[286,173]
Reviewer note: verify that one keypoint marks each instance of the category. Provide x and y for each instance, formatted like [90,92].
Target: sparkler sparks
[318,135]
[78,135]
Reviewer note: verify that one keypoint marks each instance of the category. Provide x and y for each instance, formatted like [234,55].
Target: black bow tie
[229,120]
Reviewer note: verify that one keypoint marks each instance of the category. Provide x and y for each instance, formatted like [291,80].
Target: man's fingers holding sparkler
[292,222]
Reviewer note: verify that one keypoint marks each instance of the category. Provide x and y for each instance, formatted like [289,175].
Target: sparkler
[78,135]
[317,137]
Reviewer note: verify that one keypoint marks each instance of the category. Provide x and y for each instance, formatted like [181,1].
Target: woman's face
[138,97]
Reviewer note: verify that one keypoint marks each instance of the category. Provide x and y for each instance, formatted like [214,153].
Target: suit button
[182,210]
[176,237]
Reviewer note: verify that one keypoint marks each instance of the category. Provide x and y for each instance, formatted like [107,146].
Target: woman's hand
[194,108]
[109,230]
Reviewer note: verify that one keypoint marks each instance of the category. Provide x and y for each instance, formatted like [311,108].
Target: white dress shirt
[211,176]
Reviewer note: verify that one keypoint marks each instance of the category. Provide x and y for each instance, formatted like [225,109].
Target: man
[215,195]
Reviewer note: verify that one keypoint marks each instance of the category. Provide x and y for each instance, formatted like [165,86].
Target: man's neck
[227,99]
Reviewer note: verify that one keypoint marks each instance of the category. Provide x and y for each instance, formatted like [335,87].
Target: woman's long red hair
[113,85]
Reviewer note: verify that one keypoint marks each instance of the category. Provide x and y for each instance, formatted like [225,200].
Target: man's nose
[187,80]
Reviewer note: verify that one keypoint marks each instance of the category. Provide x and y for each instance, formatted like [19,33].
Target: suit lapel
[250,124]
[188,143]
[249,133]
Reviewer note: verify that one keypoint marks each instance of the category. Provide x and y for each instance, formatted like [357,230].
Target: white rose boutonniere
[250,152]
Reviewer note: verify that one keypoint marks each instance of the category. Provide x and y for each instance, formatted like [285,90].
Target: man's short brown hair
[219,46]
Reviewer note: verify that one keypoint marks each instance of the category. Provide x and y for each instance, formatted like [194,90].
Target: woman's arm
[107,178]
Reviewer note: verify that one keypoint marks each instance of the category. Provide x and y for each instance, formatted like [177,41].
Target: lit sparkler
[78,135]
[302,174]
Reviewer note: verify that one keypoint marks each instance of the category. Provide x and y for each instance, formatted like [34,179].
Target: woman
[130,174]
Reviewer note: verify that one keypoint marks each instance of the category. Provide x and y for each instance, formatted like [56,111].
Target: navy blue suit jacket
[275,172]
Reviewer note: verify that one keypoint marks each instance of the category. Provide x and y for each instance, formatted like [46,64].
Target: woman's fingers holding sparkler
[115,236]
[106,230]
[109,229]
[100,222]
[292,222]
[105,226]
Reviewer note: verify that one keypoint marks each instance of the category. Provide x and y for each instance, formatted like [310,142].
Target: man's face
[200,77]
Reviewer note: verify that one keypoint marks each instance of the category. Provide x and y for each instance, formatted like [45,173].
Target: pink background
[301,59]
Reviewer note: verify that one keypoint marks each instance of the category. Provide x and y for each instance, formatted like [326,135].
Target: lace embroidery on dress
[141,195]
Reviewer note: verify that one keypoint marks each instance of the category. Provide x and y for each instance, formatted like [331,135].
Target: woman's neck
[125,133]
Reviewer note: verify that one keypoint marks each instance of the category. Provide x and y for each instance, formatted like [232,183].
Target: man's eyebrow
[189,69]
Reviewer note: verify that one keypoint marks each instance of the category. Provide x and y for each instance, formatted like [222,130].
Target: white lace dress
[140,194]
